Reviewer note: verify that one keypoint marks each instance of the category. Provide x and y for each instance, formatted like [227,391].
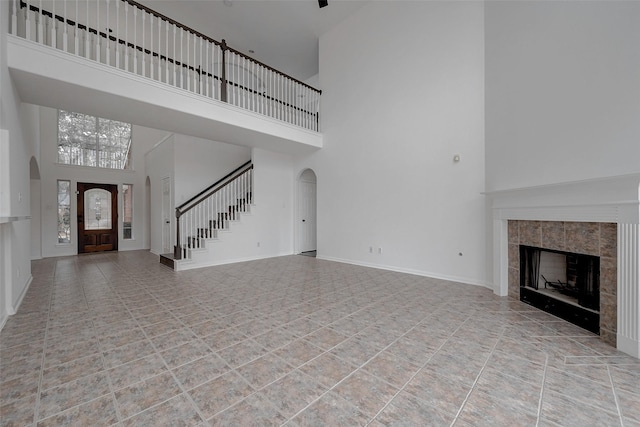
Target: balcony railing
[131,37]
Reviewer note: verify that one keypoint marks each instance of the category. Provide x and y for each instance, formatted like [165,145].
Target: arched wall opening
[306,218]
[35,209]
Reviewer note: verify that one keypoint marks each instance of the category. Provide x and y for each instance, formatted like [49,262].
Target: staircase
[200,219]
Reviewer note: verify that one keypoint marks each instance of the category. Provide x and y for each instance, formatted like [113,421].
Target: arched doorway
[147,214]
[35,209]
[306,218]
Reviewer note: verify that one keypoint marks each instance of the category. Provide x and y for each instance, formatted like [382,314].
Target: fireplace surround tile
[514,256]
[530,233]
[583,237]
[553,235]
[513,231]
[589,238]
[608,240]
[608,272]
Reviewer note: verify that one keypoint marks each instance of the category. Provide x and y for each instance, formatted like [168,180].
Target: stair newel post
[223,83]
[177,250]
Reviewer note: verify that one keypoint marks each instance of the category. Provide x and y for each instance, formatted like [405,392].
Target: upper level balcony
[122,60]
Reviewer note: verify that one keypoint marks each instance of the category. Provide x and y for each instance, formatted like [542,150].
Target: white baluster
[117,45]
[144,52]
[14,18]
[260,72]
[98,43]
[166,40]
[107,32]
[40,25]
[159,49]
[135,39]
[151,67]
[189,60]
[182,57]
[203,76]
[207,90]
[127,59]
[54,35]
[195,62]
[230,93]
[27,14]
[76,38]
[175,57]
[65,38]
[87,36]
[243,83]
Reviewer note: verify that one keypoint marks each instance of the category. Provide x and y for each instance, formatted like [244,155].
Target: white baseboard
[14,308]
[190,265]
[463,280]
[3,321]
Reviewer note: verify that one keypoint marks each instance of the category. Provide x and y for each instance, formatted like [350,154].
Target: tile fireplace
[598,218]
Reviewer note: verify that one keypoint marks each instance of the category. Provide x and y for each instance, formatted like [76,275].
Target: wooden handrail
[219,183]
[198,70]
[222,44]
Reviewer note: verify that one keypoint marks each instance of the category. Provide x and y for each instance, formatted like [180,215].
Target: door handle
[304,220]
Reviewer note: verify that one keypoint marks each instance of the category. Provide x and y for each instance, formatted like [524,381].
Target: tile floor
[118,339]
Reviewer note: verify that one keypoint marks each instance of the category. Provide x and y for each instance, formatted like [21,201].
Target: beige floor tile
[295,341]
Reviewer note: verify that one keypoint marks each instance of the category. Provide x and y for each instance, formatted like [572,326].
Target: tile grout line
[183,391]
[475,381]
[417,372]
[615,395]
[544,380]
[363,364]
[36,414]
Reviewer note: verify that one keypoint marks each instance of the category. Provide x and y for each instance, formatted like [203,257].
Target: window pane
[64,212]
[97,209]
[85,140]
[127,207]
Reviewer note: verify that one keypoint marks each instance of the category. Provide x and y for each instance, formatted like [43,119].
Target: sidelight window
[64,211]
[127,211]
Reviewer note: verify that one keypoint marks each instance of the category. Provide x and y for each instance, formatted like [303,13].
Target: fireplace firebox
[564,284]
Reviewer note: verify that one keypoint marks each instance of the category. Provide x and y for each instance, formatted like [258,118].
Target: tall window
[85,140]
[64,212]
[127,211]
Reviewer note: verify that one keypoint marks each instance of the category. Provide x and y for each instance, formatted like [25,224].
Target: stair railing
[206,213]
[134,38]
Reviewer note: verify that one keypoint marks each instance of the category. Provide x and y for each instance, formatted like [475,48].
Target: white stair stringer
[236,243]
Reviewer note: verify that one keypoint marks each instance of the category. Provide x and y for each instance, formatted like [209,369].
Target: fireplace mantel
[612,199]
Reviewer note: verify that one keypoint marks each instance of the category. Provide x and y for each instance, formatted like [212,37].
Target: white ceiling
[283,33]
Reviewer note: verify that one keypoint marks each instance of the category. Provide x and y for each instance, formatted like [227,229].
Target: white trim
[13,309]
[611,199]
[457,279]
[181,265]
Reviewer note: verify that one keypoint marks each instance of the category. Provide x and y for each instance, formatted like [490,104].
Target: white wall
[159,164]
[403,91]
[562,91]
[51,172]
[200,162]
[15,151]
[267,230]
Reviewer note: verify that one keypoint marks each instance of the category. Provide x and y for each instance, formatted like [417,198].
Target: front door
[97,217]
